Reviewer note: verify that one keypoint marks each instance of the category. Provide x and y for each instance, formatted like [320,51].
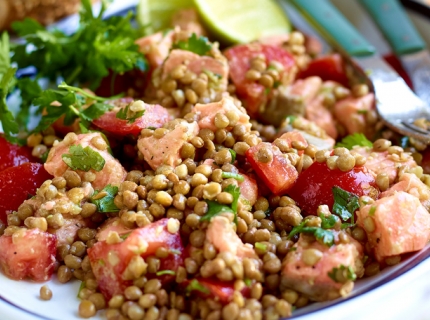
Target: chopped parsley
[356,139]
[81,286]
[345,204]
[10,126]
[325,236]
[83,159]
[215,208]
[124,236]
[328,222]
[248,282]
[106,203]
[130,116]
[342,274]
[291,119]
[195,285]
[237,176]
[199,45]
[233,155]
[165,272]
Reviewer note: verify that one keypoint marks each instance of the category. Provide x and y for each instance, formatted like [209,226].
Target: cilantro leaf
[30,90]
[10,126]
[342,274]
[130,116]
[237,176]
[199,45]
[356,139]
[83,158]
[215,208]
[345,204]
[195,285]
[106,203]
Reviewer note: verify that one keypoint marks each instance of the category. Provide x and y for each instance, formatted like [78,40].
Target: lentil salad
[210,200]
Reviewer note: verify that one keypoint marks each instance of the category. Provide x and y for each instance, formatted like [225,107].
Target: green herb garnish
[345,204]
[195,285]
[215,208]
[328,222]
[164,272]
[237,176]
[326,236]
[356,139]
[106,203]
[342,274]
[372,211]
[260,246]
[233,155]
[124,114]
[83,159]
[199,45]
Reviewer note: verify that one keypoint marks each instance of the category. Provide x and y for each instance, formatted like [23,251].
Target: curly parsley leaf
[199,45]
[356,139]
[130,116]
[342,274]
[83,159]
[345,204]
[215,208]
[105,203]
[195,285]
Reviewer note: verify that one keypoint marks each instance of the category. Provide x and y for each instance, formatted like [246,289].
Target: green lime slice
[242,21]
[156,15]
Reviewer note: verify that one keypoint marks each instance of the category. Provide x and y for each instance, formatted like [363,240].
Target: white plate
[405,296]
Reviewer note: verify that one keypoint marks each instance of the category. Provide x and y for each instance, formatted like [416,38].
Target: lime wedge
[242,21]
[155,15]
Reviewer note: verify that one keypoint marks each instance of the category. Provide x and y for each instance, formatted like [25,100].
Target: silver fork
[396,104]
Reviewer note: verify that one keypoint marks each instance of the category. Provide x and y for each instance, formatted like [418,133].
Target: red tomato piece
[329,67]
[251,92]
[249,189]
[29,253]
[277,174]
[17,183]
[215,289]
[425,162]
[109,261]
[314,185]
[12,155]
[155,116]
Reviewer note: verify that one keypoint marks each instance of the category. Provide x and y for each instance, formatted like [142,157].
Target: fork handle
[393,22]
[334,27]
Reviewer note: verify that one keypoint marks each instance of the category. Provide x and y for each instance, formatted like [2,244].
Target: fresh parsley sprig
[345,204]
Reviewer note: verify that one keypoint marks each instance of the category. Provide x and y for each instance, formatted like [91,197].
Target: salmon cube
[221,234]
[306,88]
[166,150]
[156,47]
[411,184]
[112,173]
[351,112]
[294,135]
[207,113]
[382,162]
[248,189]
[395,225]
[314,280]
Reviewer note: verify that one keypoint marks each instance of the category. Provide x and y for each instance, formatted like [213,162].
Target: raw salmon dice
[314,281]
[395,225]
[410,183]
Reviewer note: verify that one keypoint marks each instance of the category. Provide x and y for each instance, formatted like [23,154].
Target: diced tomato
[314,185]
[277,174]
[397,65]
[329,67]
[253,93]
[425,162]
[115,84]
[155,116]
[249,189]
[214,289]
[28,253]
[12,155]
[17,184]
[109,261]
